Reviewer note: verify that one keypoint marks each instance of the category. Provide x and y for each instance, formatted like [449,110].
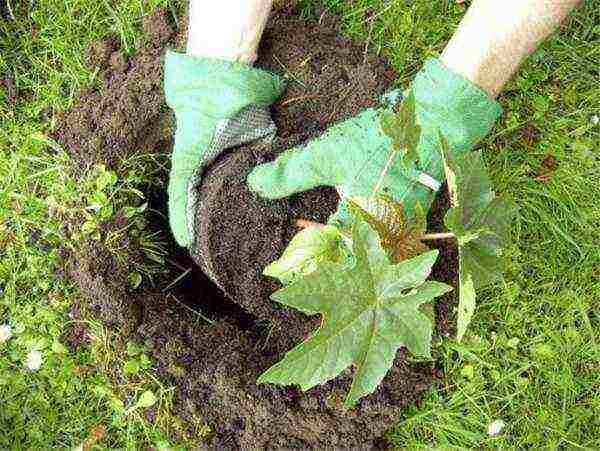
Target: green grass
[72,395]
[532,355]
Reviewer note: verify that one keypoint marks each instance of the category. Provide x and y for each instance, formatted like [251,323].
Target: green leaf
[97,200]
[58,347]
[117,405]
[400,235]
[145,362]
[106,178]
[88,227]
[130,212]
[131,367]
[147,399]
[135,280]
[480,221]
[106,212]
[132,348]
[401,127]
[468,371]
[306,251]
[370,308]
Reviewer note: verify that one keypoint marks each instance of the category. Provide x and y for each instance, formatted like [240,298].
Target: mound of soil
[215,366]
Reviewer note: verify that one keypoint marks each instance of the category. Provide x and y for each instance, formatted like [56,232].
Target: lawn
[531,358]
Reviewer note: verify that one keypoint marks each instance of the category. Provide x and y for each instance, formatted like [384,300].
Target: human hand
[218,104]
[218,99]
[354,156]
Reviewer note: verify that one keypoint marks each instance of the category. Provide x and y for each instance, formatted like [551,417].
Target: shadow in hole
[195,290]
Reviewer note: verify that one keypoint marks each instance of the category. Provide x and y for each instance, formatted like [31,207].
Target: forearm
[495,36]
[227,29]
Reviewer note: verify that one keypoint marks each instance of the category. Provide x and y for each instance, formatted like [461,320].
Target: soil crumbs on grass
[215,366]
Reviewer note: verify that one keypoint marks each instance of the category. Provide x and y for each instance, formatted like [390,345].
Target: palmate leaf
[402,128]
[400,235]
[480,221]
[309,248]
[370,308]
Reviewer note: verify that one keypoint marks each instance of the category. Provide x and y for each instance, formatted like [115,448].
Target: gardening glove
[219,100]
[352,155]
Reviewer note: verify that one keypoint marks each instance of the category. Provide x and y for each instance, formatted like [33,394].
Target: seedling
[369,282]
[370,309]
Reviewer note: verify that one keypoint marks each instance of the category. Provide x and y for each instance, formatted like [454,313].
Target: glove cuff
[449,103]
[217,88]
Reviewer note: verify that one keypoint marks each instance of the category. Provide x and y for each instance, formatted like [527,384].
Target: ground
[531,356]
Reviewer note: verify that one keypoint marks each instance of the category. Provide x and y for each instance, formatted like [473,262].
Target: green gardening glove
[352,155]
[218,105]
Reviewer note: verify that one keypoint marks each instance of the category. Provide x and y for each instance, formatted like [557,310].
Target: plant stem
[306,223]
[438,236]
[385,170]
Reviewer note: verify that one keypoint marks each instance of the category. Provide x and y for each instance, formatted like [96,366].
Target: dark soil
[11,90]
[446,267]
[547,168]
[127,115]
[214,367]
[240,234]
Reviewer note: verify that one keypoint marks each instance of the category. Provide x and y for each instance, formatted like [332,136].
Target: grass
[73,398]
[531,356]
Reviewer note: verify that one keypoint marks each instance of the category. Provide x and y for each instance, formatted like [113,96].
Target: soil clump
[215,365]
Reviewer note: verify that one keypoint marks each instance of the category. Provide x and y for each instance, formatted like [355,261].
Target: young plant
[370,308]
[401,235]
[369,282]
[403,130]
[309,248]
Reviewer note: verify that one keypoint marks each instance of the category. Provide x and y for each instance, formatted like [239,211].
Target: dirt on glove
[214,366]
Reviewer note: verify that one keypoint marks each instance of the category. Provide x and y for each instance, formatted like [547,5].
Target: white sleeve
[227,29]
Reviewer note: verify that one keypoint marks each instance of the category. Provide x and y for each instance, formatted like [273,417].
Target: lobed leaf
[480,221]
[402,128]
[400,235]
[370,308]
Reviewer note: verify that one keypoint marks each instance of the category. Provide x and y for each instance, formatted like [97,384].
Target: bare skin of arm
[495,36]
[488,47]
